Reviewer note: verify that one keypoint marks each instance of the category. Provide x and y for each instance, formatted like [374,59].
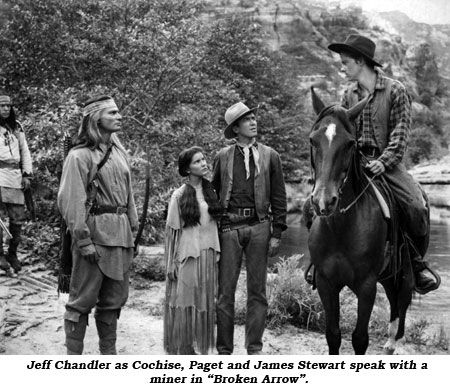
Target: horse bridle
[369,183]
[354,148]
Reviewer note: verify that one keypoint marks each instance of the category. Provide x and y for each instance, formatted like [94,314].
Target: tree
[172,71]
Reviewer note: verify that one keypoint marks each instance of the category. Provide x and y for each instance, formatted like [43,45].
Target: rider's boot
[424,284]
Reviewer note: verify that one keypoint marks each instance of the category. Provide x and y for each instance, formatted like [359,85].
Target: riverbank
[31,323]
[434,176]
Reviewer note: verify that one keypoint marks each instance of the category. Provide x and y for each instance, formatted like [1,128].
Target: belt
[369,151]
[100,210]
[247,212]
[9,165]
[226,226]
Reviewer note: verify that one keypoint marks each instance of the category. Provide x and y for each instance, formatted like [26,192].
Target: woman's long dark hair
[189,207]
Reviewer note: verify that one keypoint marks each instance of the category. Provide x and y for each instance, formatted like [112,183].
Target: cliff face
[416,34]
[415,53]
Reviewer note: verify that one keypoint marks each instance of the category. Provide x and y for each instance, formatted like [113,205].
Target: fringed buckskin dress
[189,316]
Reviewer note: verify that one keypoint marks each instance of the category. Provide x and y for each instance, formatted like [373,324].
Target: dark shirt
[273,193]
[243,191]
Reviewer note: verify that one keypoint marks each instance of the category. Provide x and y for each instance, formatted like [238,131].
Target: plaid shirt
[399,126]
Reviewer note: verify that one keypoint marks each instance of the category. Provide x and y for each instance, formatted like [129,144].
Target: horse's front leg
[391,293]
[399,300]
[329,295]
[366,299]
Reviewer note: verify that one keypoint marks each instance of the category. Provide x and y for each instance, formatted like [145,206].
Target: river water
[434,306]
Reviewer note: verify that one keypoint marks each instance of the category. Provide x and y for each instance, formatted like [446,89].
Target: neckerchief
[246,150]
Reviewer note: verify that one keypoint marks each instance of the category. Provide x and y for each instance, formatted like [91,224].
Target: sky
[425,11]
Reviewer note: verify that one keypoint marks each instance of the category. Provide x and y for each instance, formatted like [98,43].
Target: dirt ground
[31,321]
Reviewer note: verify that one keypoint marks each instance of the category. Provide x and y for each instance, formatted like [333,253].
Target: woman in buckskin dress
[191,254]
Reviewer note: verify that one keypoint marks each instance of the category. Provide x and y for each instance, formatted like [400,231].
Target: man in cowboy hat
[249,181]
[15,177]
[383,130]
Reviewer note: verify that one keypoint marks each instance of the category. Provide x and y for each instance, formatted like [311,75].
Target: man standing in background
[15,177]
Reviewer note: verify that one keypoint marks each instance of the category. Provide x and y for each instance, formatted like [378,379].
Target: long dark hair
[189,207]
[10,122]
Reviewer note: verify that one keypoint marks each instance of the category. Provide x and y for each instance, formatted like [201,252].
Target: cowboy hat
[357,44]
[233,114]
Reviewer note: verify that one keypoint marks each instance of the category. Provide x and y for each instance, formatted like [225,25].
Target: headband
[5,100]
[98,106]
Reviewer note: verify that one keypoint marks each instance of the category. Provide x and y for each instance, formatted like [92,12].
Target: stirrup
[431,287]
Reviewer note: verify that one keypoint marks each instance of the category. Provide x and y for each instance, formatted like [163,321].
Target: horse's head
[332,146]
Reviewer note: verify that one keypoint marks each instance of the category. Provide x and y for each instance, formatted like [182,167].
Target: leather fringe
[191,329]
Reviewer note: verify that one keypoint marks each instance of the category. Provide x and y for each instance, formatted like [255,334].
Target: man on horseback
[383,129]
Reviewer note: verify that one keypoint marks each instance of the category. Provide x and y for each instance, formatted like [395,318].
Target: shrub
[290,298]
[292,301]
[423,145]
[441,339]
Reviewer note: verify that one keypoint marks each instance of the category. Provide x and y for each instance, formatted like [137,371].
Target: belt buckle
[247,212]
[121,210]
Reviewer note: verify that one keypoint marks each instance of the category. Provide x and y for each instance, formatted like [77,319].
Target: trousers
[253,242]
[411,200]
[90,288]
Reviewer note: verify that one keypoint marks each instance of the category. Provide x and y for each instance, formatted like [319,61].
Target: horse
[348,237]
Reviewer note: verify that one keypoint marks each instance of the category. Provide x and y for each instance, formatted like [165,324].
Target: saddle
[396,253]
[400,248]
[402,252]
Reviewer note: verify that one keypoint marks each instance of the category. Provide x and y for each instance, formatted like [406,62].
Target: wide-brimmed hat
[357,44]
[234,113]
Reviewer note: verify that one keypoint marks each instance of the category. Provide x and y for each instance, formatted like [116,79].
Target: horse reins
[369,183]
[370,180]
